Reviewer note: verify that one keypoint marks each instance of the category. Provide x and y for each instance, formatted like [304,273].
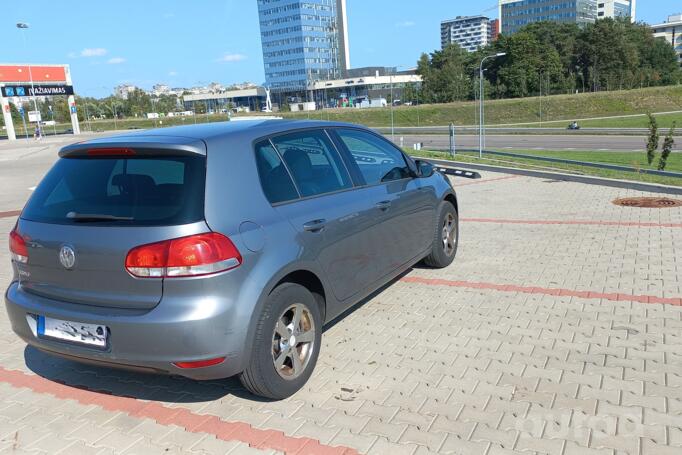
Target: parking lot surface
[557,330]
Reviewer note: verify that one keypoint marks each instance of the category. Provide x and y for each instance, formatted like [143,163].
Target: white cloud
[405,24]
[172,73]
[230,58]
[72,55]
[116,60]
[93,52]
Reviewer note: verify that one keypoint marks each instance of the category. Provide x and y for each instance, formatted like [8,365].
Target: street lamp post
[54,125]
[481,132]
[392,116]
[24,26]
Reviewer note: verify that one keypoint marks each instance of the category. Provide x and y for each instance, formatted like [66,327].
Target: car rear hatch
[100,200]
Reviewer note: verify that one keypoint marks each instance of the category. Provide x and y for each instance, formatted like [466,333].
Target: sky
[190,43]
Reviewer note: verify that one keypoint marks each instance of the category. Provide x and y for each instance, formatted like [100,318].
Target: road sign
[21,111]
[73,109]
[34,116]
[37,90]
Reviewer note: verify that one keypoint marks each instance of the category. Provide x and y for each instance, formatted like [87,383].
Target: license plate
[75,332]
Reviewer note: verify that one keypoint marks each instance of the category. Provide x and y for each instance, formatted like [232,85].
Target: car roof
[190,137]
[220,129]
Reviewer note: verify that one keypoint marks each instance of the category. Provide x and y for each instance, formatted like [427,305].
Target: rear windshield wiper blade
[85,217]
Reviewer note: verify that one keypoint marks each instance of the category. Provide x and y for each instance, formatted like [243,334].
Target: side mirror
[424,169]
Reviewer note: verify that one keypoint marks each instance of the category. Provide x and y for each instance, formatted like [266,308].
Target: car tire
[276,370]
[446,237]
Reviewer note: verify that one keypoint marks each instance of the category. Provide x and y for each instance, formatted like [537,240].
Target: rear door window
[378,160]
[274,176]
[313,162]
[163,190]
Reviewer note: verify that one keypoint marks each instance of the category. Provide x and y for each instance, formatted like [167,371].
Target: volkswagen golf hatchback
[220,250]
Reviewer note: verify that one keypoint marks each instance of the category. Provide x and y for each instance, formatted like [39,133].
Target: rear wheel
[446,237]
[286,344]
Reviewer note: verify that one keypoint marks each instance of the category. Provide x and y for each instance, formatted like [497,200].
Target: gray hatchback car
[220,250]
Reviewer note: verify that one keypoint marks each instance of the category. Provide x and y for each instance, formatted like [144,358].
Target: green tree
[668,144]
[654,137]
[444,75]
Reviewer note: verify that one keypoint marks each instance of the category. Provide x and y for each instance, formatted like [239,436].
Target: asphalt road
[531,142]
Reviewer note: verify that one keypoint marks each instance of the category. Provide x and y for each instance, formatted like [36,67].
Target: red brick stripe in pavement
[572,222]
[192,422]
[616,297]
[10,214]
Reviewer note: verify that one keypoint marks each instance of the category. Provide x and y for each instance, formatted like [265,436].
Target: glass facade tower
[514,14]
[303,41]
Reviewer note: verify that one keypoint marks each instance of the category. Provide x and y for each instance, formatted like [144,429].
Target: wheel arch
[452,199]
[301,274]
[310,281]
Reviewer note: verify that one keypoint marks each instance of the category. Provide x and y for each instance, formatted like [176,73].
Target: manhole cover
[648,202]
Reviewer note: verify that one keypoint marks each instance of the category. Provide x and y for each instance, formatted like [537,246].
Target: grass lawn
[636,160]
[620,158]
[665,121]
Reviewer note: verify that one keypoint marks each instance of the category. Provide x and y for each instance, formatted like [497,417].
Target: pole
[480,114]
[540,100]
[481,134]
[23,119]
[23,27]
[392,118]
[54,125]
[113,111]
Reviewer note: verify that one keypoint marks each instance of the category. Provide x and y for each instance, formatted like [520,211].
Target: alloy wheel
[293,341]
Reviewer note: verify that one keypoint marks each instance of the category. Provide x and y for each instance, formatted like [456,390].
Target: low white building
[671,30]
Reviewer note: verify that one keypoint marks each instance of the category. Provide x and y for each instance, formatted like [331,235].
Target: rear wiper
[85,217]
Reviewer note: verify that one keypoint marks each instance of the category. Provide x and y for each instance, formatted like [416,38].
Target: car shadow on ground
[148,386]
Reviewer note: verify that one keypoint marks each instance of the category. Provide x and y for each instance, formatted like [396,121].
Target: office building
[469,32]
[671,30]
[617,8]
[303,41]
[515,14]
[495,26]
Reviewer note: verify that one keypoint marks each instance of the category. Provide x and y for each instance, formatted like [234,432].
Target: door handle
[315,226]
[383,205]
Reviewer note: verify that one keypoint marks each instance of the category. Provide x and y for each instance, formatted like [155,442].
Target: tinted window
[313,162]
[150,190]
[274,177]
[377,159]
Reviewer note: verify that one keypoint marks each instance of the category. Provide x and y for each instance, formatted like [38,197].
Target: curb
[589,180]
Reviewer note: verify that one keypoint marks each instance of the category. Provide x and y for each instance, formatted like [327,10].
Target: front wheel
[446,237]
[286,343]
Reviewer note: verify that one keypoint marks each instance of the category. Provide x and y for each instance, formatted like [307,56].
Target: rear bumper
[183,330]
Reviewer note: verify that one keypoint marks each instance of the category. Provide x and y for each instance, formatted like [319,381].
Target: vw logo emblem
[67,257]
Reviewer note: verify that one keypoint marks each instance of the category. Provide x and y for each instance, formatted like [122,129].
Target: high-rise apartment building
[303,41]
[469,32]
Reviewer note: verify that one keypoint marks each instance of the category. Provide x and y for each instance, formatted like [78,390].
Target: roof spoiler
[135,146]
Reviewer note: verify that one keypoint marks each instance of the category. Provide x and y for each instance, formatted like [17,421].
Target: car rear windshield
[137,191]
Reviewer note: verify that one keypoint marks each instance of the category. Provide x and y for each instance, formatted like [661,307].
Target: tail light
[17,247]
[196,255]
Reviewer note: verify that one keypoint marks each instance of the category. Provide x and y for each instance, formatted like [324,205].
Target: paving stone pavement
[485,357]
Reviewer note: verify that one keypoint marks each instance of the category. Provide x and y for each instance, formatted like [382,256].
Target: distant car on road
[222,249]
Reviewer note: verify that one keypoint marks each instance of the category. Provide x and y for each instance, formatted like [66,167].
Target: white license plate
[74,332]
